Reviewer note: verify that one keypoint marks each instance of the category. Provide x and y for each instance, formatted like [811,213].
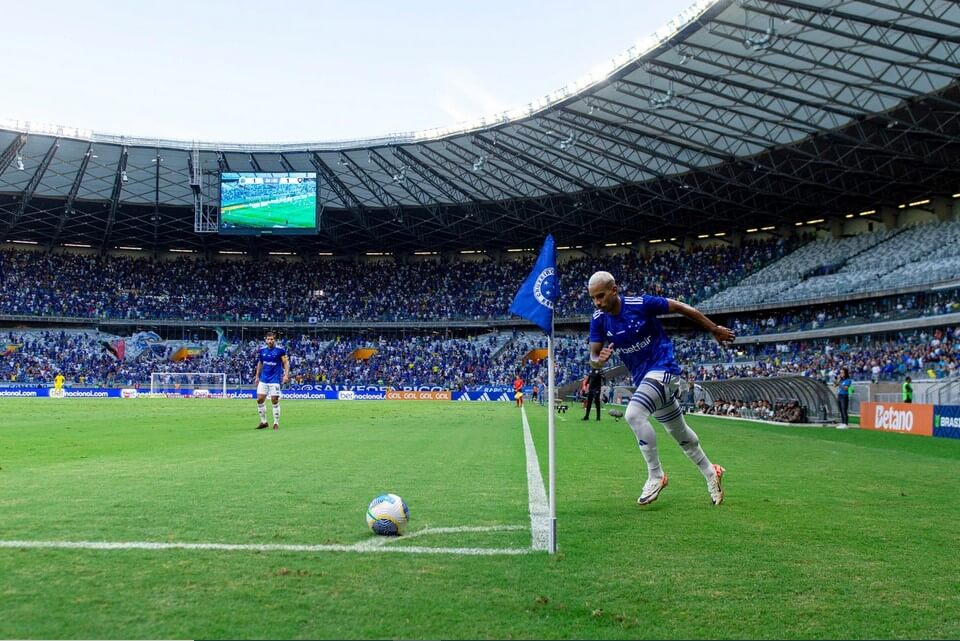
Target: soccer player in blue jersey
[273,369]
[629,325]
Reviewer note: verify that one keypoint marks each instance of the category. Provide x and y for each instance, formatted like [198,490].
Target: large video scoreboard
[268,202]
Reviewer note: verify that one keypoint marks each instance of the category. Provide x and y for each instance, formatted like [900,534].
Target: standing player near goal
[630,324]
[273,369]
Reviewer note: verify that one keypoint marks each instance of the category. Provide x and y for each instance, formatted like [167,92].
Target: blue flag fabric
[537,296]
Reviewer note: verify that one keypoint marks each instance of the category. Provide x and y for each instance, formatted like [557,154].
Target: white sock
[262,409]
[671,417]
[637,418]
[276,412]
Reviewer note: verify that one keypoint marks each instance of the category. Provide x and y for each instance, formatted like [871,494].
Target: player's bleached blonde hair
[602,279]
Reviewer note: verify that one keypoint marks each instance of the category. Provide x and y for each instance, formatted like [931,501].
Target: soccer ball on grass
[387,515]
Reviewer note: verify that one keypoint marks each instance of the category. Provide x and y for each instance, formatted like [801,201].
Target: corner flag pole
[551,441]
[535,301]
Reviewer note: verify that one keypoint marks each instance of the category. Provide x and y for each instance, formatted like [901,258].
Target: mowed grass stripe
[187,470]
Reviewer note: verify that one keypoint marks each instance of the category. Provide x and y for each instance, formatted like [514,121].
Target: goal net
[198,384]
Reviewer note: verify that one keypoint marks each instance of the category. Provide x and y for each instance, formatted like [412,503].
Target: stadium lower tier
[90,357]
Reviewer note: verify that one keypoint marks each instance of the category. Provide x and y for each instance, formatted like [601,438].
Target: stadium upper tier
[116,287]
[720,278]
[867,263]
[739,114]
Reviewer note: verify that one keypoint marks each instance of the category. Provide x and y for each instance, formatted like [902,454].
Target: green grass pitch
[824,534]
[298,214]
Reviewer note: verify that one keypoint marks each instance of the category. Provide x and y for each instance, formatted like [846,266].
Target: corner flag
[536,297]
[535,301]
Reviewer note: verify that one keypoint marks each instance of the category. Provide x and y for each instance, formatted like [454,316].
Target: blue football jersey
[272,359]
[637,335]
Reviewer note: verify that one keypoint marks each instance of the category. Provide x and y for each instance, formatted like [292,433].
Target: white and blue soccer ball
[387,515]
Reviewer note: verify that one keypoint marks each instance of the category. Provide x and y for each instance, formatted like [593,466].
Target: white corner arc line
[536,494]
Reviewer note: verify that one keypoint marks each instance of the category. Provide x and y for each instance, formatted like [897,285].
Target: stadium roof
[745,113]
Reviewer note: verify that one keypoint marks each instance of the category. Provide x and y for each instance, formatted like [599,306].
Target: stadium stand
[84,286]
[871,262]
[51,287]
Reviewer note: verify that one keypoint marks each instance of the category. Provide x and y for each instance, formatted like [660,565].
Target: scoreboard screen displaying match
[268,203]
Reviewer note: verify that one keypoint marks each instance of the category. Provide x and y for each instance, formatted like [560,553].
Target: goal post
[193,384]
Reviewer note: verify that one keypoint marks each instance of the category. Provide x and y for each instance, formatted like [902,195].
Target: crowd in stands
[919,353]
[120,287]
[495,358]
[419,360]
[848,313]
[39,284]
[785,410]
[858,264]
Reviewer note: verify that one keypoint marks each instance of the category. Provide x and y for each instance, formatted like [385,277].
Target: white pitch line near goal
[536,494]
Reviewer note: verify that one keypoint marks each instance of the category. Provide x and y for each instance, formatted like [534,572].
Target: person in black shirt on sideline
[594,384]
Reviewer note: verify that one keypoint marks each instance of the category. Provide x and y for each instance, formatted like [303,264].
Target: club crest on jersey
[545,287]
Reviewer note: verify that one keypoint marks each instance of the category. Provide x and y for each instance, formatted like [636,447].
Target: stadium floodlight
[123,176]
[659,102]
[19,162]
[761,42]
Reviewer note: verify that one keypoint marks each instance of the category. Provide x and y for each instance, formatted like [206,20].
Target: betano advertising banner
[906,418]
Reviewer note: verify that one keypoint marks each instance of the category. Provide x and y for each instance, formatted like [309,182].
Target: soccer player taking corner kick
[629,324]
[273,369]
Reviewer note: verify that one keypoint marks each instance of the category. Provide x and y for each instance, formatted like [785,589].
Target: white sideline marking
[230,547]
[374,544]
[536,494]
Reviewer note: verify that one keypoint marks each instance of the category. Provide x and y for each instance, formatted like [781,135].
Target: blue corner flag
[538,294]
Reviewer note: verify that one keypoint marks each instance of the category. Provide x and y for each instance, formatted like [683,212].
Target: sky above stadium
[246,71]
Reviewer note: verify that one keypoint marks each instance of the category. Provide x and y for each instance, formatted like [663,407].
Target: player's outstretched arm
[721,333]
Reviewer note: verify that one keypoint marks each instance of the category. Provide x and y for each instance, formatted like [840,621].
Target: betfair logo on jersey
[637,347]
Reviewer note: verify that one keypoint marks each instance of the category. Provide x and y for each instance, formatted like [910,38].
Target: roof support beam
[119,178]
[410,186]
[487,173]
[454,192]
[11,151]
[155,218]
[916,14]
[343,193]
[31,187]
[837,12]
[72,195]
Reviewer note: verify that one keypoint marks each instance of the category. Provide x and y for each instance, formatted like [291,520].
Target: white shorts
[670,383]
[268,389]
